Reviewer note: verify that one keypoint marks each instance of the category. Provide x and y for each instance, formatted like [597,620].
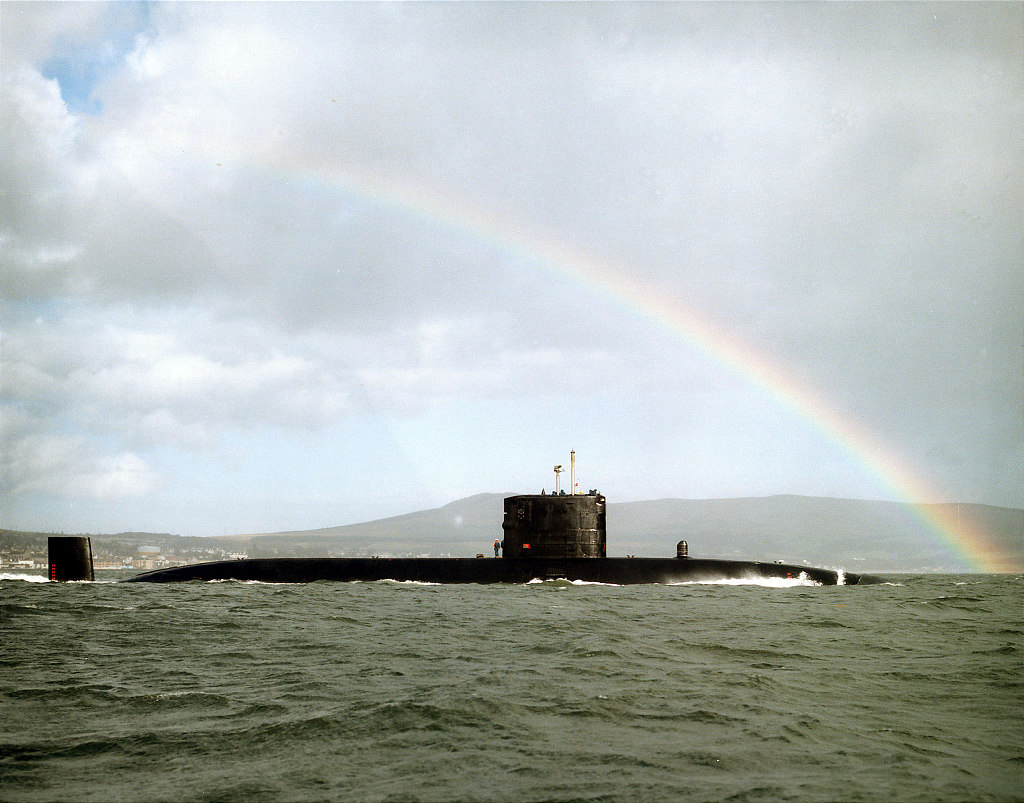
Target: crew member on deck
[497,547]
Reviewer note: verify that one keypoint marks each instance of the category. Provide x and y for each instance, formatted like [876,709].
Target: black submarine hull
[617,571]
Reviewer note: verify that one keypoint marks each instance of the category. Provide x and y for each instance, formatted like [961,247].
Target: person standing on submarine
[497,546]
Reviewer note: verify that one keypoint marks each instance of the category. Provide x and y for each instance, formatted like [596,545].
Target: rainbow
[946,522]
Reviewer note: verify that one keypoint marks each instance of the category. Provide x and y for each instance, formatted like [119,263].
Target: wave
[42,578]
[765,582]
[28,578]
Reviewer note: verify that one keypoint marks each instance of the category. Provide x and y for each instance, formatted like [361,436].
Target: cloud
[243,219]
[67,467]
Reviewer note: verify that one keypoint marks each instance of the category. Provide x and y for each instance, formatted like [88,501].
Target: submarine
[556,536]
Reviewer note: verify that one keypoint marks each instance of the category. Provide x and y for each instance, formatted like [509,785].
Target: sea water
[912,690]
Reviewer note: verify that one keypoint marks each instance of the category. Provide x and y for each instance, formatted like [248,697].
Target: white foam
[40,578]
[765,582]
[28,578]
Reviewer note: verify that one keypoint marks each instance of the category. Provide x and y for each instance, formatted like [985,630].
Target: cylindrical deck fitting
[555,526]
[70,557]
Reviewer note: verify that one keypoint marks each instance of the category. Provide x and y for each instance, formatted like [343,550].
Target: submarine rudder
[69,558]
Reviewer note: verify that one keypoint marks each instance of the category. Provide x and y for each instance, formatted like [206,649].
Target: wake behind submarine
[546,537]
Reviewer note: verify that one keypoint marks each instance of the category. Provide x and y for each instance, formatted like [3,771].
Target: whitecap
[28,578]
[765,582]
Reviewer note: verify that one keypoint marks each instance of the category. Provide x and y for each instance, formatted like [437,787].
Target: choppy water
[550,691]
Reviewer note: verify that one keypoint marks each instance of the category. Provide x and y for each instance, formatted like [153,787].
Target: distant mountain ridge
[460,528]
[858,535]
[823,531]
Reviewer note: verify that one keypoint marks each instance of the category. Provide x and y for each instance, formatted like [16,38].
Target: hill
[460,528]
[854,534]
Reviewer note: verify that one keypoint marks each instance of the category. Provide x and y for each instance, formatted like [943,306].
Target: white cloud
[272,218]
[67,466]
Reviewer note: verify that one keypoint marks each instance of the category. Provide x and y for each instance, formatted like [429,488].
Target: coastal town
[28,551]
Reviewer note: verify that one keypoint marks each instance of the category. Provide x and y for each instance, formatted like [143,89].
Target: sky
[283,266]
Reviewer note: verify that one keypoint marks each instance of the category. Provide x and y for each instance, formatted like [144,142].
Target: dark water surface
[549,691]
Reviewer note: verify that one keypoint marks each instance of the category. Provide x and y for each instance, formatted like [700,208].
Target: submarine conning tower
[555,526]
